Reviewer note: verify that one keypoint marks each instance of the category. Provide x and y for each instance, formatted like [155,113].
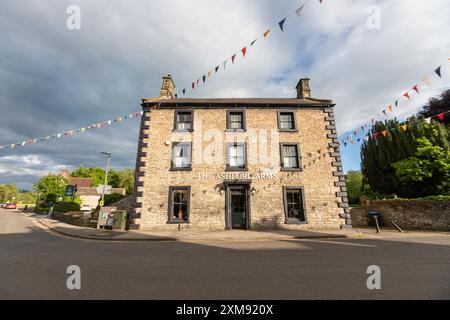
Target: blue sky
[54,79]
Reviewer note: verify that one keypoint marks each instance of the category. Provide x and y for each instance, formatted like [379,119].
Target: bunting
[69,133]
[281,24]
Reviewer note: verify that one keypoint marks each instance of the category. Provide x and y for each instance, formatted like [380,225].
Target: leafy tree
[9,193]
[437,105]
[126,180]
[353,181]
[51,187]
[96,174]
[428,170]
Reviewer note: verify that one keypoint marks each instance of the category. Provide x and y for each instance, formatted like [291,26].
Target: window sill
[295,221]
[181,169]
[183,130]
[288,130]
[236,169]
[235,130]
[178,222]
[291,169]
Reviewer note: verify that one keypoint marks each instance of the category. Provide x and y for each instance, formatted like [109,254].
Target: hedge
[67,206]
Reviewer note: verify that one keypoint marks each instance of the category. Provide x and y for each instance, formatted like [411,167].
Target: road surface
[33,265]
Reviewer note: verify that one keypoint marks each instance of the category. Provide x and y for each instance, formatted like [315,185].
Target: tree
[51,187]
[96,174]
[9,193]
[437,105]
[427,172]
[353,181]
[380,152]
[126,180]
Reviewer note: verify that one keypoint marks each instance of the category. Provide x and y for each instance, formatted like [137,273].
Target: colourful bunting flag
[298,12]
[204,78]
[233,57]
[441,116]
[225,64]
[384,133]
[281,24]
[198,80]
[253,42]
[390,107]
[193,85]
[209,74]
[428,120]
[244,51]
[416,89]
[216,69]
[426,80]
[406,95]
[184,91]
[396,103]
[438,71]
[266,34]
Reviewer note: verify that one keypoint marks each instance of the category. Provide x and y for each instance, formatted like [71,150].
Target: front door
[237,211]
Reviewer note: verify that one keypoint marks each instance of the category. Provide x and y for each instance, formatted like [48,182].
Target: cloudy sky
[54,79]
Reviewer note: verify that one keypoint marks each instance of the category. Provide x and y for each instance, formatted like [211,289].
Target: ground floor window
[179,198]
[294,205]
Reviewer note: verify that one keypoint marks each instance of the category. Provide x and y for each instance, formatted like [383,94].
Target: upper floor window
[290,156]
[184,120]
[181,156]
[179,198]
[236,120]
[294,204]
[287,121]
[236,156]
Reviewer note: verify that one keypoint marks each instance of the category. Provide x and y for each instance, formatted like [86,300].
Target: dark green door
[238,204]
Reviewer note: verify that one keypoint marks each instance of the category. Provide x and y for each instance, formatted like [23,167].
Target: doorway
[237,207]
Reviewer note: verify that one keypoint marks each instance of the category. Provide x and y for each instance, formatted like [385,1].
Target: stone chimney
[167,87]
[303,89]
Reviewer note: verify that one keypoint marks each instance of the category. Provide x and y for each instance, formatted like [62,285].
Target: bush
[67,206]
[113,198]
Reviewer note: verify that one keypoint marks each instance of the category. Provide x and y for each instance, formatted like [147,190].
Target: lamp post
[102,201]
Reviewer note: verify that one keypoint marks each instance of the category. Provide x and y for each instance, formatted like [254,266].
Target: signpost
[70,191]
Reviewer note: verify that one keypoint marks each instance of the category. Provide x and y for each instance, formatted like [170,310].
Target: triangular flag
[366,138]
[59,135]
[428,120]
[441,116]
[253,42]
[375,135]
[320,1]
[23,143]
[83,129]
[225,64]
[193,85]
[244,51]
[184,91]
[384,133]
[384,111]
[396,103]
[265,34]
[109,122]
[406,95]
[209,74]
[281,24]
[233,57]
[416,89]
[404,127]
[216,69]
[142,112]
[438,72]
[204,78]
[426,80]
[298,12]
[390,107]
[176,95]
[198,80]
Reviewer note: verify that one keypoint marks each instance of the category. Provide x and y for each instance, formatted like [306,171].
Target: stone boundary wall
[407,214]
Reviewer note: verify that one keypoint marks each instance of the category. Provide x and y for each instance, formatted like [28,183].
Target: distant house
[88,194]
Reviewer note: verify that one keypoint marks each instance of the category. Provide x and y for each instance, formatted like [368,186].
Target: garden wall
[407,214]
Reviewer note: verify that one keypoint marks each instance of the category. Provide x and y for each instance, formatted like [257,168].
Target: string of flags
[242,52]
[405,126]
[405,97]
[68,133]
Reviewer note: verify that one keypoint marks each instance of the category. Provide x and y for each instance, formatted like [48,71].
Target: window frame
[230,168]
[172,158]
[175,121]
[302,194]
[170,214]
[294,119]
[244,123]
[299,157]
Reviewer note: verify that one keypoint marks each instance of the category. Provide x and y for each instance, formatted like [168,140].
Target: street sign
[70,191]
[108,189]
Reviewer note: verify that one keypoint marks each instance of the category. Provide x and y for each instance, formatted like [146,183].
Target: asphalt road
[33,265]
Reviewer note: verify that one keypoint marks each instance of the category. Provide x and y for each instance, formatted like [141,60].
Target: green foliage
[27,197]
[9,193]
[51,187]
[96,174]
[113,198]
[353,181]
[428,170]
[126,180]
[117,179]
[67,206]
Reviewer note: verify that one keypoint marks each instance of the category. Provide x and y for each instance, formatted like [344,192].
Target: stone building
[239,163]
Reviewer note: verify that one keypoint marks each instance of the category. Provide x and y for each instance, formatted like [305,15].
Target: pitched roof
[80,182]
[84,191]
[231,102]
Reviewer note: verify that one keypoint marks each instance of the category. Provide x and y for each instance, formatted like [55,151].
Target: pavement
[34,263]
[222,235]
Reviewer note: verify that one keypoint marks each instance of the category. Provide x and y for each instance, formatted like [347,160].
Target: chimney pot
[303,89]
[167,87]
